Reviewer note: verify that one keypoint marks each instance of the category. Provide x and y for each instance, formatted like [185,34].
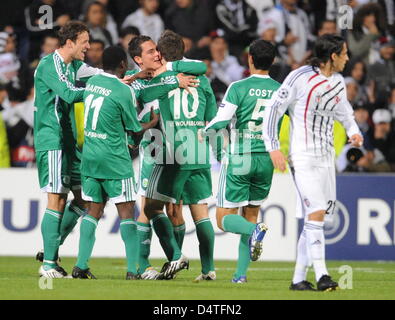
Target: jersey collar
[260,76]
[109,75]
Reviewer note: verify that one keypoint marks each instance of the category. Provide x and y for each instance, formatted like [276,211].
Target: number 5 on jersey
[257,115]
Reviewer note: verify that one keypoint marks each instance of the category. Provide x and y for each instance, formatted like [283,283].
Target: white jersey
[313,102]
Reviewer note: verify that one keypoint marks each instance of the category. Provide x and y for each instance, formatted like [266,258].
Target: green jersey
[243,107]
[182,114]
[55,93]
[110,111]
[195,67]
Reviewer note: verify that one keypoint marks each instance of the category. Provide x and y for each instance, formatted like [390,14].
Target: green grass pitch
[266,280]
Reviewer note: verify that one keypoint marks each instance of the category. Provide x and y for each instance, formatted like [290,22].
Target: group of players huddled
[168,111]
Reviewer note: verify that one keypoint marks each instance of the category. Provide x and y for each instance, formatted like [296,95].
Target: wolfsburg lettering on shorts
[98,90]
[189,123]
[91,134]
[251,136]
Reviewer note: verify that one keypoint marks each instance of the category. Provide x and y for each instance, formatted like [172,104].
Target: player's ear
[138,60]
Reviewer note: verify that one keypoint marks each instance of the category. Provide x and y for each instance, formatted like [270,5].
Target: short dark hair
[171,46]
[324,47]
[135,49]
[101,42]
[70,31]
[112,58]
[321,25]
[129,30]
[263,54]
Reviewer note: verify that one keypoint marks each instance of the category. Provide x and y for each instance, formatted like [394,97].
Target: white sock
[315,241]
[302,260]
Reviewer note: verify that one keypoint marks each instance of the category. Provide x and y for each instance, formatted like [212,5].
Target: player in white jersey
[314,96]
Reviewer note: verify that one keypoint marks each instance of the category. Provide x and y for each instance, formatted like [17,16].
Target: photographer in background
[383,137]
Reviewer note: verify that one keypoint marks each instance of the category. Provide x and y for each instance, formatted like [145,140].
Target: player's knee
[151,209]
[219,224]
[176,221]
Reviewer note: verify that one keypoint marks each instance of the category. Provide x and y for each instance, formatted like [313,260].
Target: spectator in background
[18,116]
[120,9]
[382,73]
[95,54]
[4,148]
[356,69]
[327,27]
[49,45]
[96,18]
[146,19]
[33,22]
[391,103]
[279,70]
[111,25]
[367,29]
[218,86]
[14,73]
[260,6]
[188,44]
[383,138]
[126,36]
[9,62]
[293,31]
[225,67]
[191,19]
[238,23]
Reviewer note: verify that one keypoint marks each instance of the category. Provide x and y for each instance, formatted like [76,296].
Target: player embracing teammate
[314,96]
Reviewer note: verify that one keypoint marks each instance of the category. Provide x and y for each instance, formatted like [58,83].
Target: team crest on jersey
[283,93]
[337,99]
[318,98]
[145,182]
[307,202]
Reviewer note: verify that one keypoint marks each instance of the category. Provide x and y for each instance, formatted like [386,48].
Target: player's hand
[200,136]
[356,140]
[145,74]
[128,79]
[187,81]
[278,159]
[154,118]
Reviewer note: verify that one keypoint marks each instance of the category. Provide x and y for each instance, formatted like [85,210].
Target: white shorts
[315,181]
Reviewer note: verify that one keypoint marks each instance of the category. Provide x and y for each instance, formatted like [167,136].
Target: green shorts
[54,171]
[101,190]
[146,165]
[75,173]
[170,184]
[244,180]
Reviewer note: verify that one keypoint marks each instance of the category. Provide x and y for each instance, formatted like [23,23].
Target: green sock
[164,230]
[244,257]
[205,234]
[237,224]
[87,241]
[144,232]
[70,218]
[131,241]
[51,237]
[179,234]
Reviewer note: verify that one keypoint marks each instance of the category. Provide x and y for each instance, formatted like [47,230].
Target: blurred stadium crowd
[217,32]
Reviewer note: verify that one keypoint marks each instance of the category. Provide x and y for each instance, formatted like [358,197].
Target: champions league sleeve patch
[283,93]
